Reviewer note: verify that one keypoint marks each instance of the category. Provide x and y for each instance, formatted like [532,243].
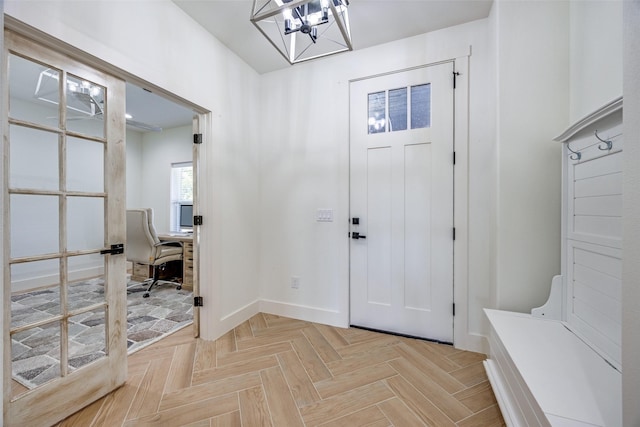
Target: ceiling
[151,109]
[372,22]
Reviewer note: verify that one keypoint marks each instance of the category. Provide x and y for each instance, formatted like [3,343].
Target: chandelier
[304,29]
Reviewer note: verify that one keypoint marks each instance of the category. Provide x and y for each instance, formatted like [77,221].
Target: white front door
[64,336]
[401,202]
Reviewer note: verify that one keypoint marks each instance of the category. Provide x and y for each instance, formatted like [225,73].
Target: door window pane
[421,106]
[35,292]
[87,338]
[85,165]
[398,109]
[34,225]
[33,160]
[29,276]
[85,223]
[36,354]
[34,92]
[86,281]
[377,112]
[86,106]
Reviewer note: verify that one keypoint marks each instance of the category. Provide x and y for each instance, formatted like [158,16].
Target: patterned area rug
[35,357]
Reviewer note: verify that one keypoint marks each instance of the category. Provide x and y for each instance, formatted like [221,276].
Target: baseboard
[473,342]
[228,322]
[32,283]
[502,397]
[301,312]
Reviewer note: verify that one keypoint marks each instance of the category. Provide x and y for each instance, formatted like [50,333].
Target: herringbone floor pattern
[275,371]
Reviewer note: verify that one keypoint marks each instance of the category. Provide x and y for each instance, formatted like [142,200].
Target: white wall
[309,157]
[157,42]
[533,105]
[134,167]
[595,72]
[159,151]
[631,218]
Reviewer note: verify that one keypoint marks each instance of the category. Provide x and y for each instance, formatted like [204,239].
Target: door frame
[205,125]
[462,338]
[430,317]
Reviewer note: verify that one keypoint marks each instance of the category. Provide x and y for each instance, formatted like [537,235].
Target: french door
[401,202]
[64,217]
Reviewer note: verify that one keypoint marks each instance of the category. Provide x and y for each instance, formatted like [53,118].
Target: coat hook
[608,146]
[576,155]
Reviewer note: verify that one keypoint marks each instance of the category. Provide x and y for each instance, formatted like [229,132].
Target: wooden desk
[142,272]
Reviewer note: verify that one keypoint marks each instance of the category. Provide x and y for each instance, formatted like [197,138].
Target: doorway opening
[159,135]
[76,120]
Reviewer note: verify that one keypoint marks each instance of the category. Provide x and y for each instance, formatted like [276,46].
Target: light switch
[324,215]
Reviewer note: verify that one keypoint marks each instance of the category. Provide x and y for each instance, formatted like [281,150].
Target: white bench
[544,375]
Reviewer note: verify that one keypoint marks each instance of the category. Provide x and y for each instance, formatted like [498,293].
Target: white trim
[461,337]
[230,321]
[303,312]
[602,112]
[499,389]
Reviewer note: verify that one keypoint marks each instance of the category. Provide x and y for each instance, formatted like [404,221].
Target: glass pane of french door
[66,301]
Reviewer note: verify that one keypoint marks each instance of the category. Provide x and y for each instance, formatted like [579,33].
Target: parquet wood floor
[275,371]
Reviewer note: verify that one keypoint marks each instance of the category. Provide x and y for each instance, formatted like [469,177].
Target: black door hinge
[197,138]
[114,250]
[198,302]
[454,233]
[197,220]
[454,157]
[455,75]
[454,308]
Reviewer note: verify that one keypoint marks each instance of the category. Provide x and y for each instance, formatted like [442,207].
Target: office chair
[144,247]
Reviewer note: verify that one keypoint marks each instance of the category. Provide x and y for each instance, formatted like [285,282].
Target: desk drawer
[187,254]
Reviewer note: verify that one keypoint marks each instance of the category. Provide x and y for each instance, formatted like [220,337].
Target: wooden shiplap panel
[608,285]
[595,208]
[602,185]
[609,206]
[609,265]
[598,226]
[600,322]
[598,166]
[594,280]
[597,301]
[594,240]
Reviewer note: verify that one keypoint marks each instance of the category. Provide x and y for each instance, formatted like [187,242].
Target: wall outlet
[295,282]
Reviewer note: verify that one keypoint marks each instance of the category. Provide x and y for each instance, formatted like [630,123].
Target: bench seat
[545,375]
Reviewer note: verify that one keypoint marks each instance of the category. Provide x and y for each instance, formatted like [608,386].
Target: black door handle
[115,249]
[355,235]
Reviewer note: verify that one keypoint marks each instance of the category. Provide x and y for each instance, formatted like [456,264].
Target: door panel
[64,301]
[402,194]
[417,229]
[380,224]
